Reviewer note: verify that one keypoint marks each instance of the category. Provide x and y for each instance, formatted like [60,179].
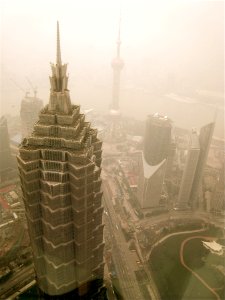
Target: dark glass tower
[157,139]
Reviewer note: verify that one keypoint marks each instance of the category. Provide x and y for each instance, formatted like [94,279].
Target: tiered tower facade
[59,166]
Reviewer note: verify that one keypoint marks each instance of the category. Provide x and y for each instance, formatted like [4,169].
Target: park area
[184,269]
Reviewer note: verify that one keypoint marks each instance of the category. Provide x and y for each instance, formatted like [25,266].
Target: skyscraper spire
[118,39]
[59,94]
[58,50]
[117,65]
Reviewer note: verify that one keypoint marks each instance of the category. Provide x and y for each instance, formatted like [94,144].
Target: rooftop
[214,246]
[194,140]
[160,120]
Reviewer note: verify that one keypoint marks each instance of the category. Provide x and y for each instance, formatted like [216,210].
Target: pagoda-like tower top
[59,101]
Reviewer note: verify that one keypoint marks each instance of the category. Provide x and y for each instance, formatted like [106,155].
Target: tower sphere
[117,63]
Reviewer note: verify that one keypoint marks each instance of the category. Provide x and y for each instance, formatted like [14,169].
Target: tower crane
[32,87]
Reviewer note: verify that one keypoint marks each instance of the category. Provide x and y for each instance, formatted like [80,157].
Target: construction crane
[33,88]
[26,92]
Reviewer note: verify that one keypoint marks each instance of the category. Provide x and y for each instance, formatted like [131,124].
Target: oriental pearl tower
[117,65]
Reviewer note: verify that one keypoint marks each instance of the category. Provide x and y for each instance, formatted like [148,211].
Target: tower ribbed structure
[59,167]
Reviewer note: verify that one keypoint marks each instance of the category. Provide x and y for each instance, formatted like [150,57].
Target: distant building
[7,161]
[218,199]
[189,171]
[150,182]
[205,138]
[29,111]
[157,139]
[214,247]
[60,170]
[170,159]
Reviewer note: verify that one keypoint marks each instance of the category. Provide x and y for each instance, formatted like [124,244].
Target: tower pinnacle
[59,94]
[118,40]
[58,50]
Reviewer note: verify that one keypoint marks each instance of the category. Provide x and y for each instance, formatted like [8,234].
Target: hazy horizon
[163,42]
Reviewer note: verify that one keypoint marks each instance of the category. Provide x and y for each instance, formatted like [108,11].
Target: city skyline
[118,189]
[145,71]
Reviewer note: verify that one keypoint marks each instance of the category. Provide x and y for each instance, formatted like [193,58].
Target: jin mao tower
[59,166]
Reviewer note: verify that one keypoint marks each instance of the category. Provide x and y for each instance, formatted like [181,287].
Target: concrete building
[205,138]
[150,182]
[60,170]
[170,159]
[7,161]
[29,110]
[157,139]
[189,170]
[218,200]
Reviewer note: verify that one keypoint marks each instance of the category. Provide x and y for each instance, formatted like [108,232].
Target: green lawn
[173,280]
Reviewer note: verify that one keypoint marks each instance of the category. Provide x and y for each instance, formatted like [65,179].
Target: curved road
[169,235]
[189,269]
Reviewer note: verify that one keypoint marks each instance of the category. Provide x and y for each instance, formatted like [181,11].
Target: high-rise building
[189,170]
[170,159]
[157,138]
[205,138]
[7,162]
[59,167]
[150,183]
[218,199]
[29,110]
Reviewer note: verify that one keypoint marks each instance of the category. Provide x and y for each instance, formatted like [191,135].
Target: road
[124,264]
[168,236]
[176,215]
[192,271]
[16,281]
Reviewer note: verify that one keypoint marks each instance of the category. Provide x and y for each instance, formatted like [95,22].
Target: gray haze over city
[167,47]
[112,156]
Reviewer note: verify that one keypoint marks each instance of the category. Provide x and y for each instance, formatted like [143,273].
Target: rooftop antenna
[118,38]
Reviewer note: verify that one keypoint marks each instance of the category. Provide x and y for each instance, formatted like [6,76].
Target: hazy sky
[180,39]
